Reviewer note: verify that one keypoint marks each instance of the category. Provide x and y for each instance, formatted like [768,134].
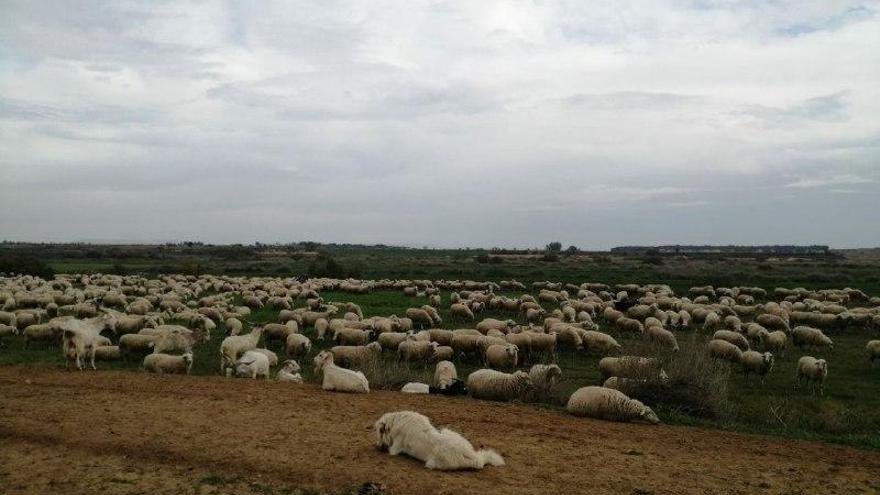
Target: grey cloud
[443,124]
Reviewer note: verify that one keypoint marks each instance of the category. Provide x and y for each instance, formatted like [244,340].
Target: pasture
[848,413]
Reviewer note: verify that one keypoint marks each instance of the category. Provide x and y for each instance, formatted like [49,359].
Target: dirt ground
[127,433]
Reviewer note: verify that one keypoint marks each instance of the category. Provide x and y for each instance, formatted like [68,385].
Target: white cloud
[837,180]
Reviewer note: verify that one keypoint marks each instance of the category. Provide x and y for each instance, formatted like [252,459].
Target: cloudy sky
[441,123]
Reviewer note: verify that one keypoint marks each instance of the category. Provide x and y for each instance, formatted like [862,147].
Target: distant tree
[555,247]
[571,250]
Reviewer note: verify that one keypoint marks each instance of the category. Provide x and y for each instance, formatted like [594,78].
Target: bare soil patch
[123,432]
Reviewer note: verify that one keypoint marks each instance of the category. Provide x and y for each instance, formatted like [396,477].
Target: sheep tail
[489,457]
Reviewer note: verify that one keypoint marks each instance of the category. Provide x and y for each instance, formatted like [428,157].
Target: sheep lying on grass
[609,404]
[408,432]
[251,364]
[337,378]
[289,372]
[495,385]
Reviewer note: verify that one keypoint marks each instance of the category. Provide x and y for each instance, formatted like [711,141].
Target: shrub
[697,384]
[25,265]
[550,257]
[391,374]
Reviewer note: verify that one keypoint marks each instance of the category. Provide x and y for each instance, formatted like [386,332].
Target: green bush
[25,265]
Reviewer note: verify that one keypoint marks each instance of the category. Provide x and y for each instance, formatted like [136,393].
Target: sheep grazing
[630,367]
[251,364]
[773,341]
[625,324]
[390,340]
[416,350]
[416,388]
[734,338]
[168,364]
[410,433]
[757,363]
[279,332]
[489,323]
[234,326]
[339,379]
[873,349]
[496,385]
[813,371]
[501,356]
[136,343]
[234,346]
[722,349]
[443,353]
[608,404]
[355,355]
[444,374]
[289,372]
[712,322]
[810,337]
[461,312]
[297,345]
[772,322]
[663,337]
[108,353]
[545,376]
[353,336]
[420,317]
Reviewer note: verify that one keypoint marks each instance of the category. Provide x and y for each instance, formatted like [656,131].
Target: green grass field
[848,413]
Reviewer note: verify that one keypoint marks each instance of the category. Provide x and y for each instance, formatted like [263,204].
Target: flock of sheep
[106,317]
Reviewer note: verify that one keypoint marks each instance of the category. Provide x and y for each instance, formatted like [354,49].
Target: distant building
[814,250]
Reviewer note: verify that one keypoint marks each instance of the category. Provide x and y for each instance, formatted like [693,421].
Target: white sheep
[233,325]
[355,355]
[756,362]
[545,376]
[501,356]
[271,356]
[461,311]
[734,338]
[168,364]
[608,404]
[133,342]
[297,345]
[663,337]
[390,340]
[712,322]
[814,371]
[416,388]
[108,353]
[337,378]
[416,350]
[810,337]
[289,372]
[873,349]
[408,432]
[251,364]
[722,349]
[444,374]
[235,345]
[496,385]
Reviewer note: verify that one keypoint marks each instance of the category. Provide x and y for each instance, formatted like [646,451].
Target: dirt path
[124,432]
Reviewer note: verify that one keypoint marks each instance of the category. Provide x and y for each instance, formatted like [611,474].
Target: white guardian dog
[408,432]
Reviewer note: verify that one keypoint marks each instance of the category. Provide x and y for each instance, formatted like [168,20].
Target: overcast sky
[474,123]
